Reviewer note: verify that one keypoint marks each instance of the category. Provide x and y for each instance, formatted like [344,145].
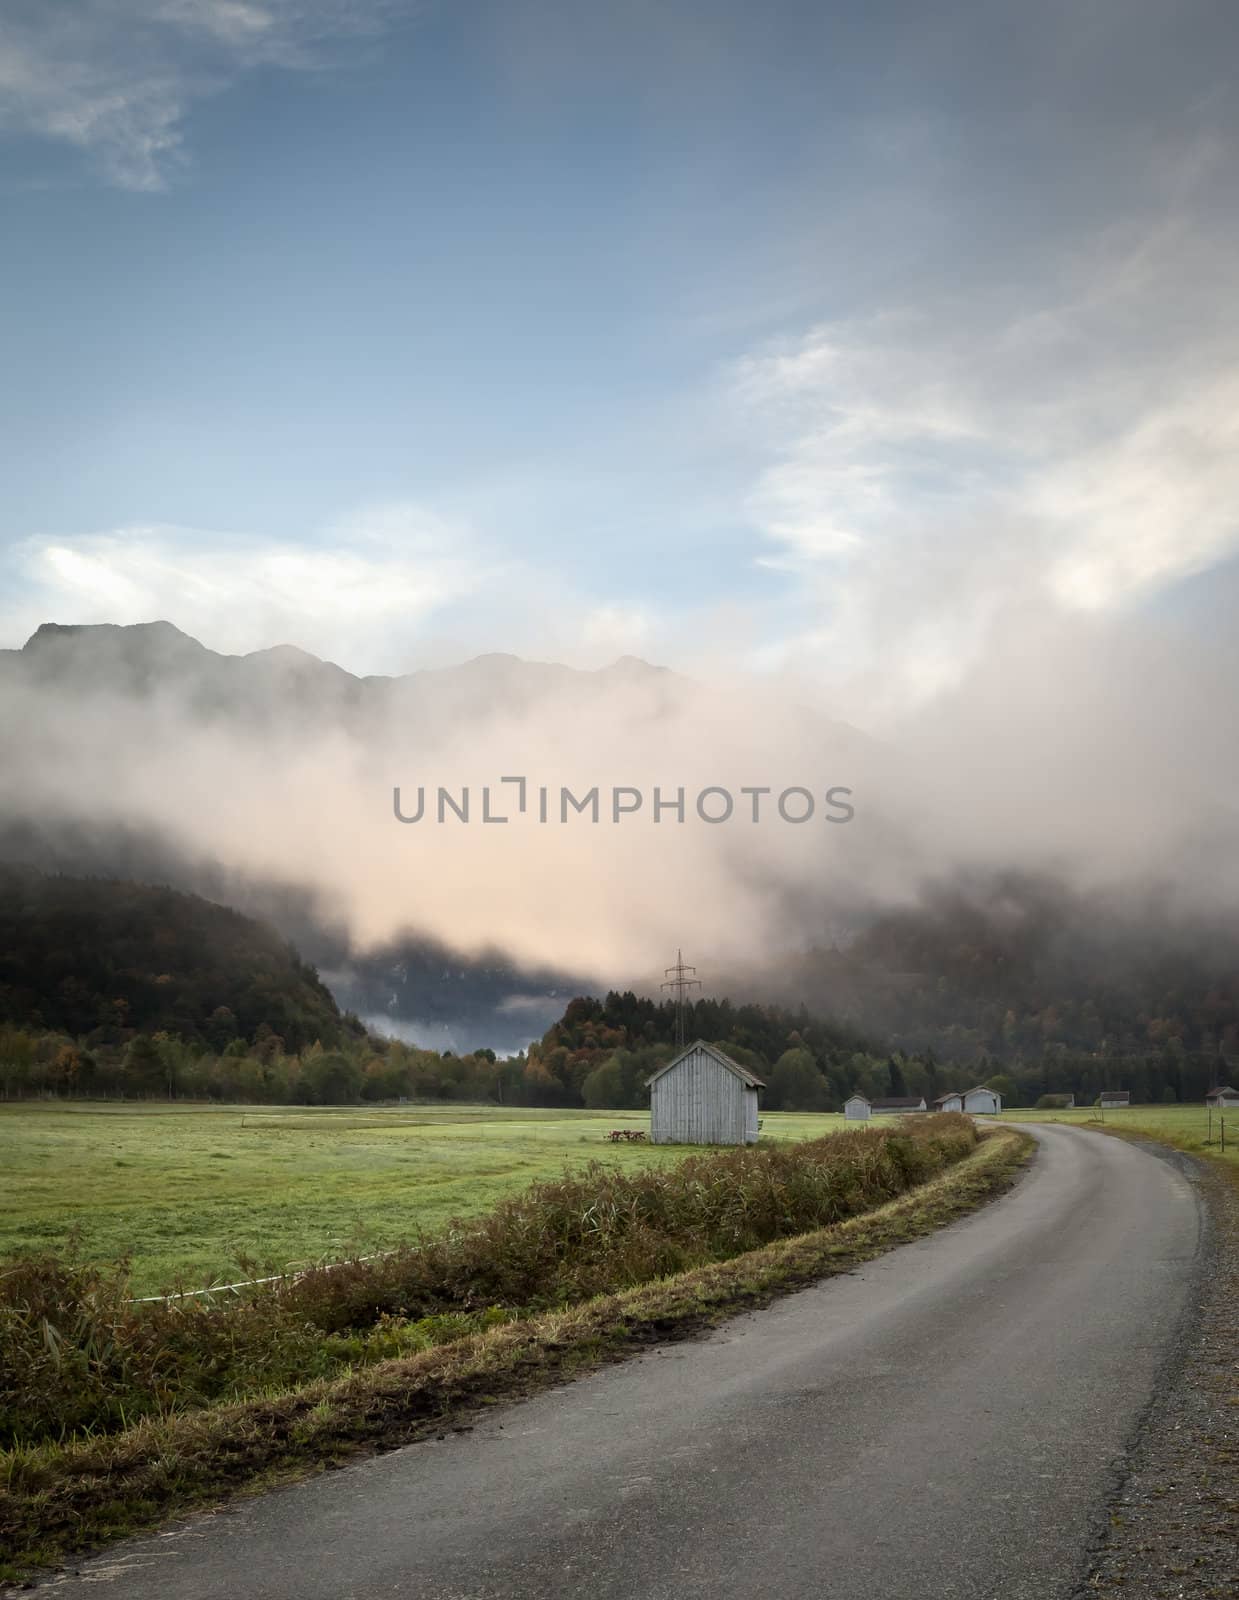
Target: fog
[1095,748]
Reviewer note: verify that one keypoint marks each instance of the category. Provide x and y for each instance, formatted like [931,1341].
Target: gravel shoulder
[1173,1527]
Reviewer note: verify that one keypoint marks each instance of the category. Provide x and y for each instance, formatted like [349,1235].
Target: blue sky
[406,331]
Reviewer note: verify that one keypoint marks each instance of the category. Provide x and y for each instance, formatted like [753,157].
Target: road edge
[1171,1523]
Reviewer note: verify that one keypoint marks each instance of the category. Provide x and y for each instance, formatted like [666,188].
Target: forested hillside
[1064,989]
[101,960]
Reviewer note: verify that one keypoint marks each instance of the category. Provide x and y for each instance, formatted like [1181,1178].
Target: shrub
[77,1354]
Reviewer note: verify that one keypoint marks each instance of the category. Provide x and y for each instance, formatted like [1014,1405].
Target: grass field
[191,1192]
[1185,1127]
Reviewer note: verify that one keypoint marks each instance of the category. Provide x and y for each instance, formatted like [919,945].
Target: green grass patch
[57,1497]
[189,1192]
[77,1353]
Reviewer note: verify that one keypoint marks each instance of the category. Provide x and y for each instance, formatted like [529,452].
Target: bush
[76,1353]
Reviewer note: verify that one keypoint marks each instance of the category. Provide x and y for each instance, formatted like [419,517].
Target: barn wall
[699,1102]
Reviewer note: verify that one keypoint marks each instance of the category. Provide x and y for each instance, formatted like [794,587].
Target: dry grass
[77,1355]
[55,1498]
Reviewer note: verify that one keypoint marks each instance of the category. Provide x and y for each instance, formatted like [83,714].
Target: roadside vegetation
[77,1352]
[199,1194]
[113,1414]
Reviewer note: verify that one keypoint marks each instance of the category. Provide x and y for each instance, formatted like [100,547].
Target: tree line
[600,1055]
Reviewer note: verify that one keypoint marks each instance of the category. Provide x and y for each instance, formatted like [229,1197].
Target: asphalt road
[947,1422]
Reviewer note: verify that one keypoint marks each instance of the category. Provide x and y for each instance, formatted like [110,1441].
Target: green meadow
[196,1194]
[1186,1127]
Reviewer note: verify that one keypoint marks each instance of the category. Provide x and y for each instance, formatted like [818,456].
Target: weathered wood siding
[982,1100]
[701,1102]
[856,1110]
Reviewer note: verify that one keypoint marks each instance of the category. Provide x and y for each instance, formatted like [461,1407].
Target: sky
[820,339]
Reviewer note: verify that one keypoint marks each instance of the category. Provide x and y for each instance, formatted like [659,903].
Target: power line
[679,981]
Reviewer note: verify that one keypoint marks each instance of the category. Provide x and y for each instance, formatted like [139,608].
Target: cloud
[358,594]
[116,78]
[1065,442]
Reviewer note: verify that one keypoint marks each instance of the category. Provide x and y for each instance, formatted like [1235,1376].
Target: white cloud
[625,630]
[116,78]
[359,599]
[1065,444]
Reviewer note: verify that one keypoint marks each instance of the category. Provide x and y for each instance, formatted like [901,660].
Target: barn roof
[750,1079]
[1220,1088]
[955,1094]
[899,1100]
[980,1088]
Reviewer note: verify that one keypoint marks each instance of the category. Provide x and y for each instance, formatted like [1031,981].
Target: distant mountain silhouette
[144,660]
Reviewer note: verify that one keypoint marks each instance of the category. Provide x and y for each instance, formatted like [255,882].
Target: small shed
[704,1097]
[1223,1096]
[982,1101]
[897,1105]
[1111,1099]
[856,1108]
[949,1102]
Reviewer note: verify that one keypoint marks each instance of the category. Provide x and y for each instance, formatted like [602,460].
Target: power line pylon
[680,982]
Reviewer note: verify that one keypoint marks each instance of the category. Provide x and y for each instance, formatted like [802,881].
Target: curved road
[946,1423]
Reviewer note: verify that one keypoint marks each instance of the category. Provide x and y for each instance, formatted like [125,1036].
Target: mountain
[284,684]
[1010,967]
[103,958]
[153,689]
[121,748]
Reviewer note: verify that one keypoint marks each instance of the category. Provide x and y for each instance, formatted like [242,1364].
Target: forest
[110,988]
[100,959]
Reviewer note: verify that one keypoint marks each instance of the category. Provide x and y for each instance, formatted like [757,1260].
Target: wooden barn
[1112,1099]
[704,1097]
[982,1101]
[897,1105]
[949,1102]
[859,1108]
[1223,1096]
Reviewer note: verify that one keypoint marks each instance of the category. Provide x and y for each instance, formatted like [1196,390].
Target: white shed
[949,1102]
[982,1101]
[856,1108]
[1112,1099]
[1224,1096]
[704,1097]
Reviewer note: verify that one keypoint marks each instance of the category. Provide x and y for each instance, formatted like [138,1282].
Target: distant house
[982,1101]
[1223,1096]
[704,1097]
[1112,1099]
[856,1108]
[949,1102]
[897,1105]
